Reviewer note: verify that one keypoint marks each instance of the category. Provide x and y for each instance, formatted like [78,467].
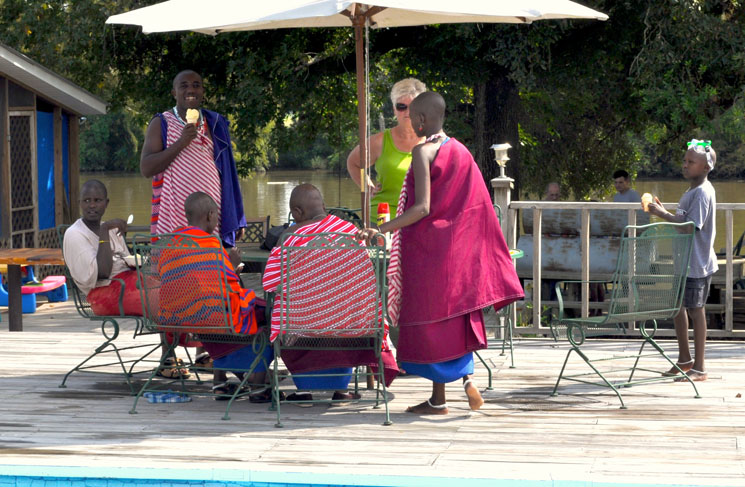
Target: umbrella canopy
[238,15]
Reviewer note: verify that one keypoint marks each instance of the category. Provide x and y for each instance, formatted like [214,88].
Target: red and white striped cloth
[394,266]
[193,170]
[334,292]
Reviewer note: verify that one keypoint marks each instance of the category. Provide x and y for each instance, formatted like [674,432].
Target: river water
[269,194]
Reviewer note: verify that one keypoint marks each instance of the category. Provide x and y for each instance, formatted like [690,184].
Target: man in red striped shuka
[188,149]
[309,212]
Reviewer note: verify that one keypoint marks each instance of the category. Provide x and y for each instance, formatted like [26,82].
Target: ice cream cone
[192,115]
[646,200]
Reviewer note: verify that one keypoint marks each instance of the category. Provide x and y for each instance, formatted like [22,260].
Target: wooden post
[729,275]
[359,37]
[73,166]
[5,217]
[584,236]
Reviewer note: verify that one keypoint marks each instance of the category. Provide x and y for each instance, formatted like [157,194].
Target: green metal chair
[647,286]
[331,298]
[185,287]
[110,329]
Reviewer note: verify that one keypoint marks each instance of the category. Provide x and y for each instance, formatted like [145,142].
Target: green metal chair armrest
[560,298]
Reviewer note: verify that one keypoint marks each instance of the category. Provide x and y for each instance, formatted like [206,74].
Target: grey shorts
[696,292]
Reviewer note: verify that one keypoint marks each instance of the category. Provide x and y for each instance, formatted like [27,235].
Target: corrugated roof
[55,88]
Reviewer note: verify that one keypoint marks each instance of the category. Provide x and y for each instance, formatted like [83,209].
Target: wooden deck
[665,437]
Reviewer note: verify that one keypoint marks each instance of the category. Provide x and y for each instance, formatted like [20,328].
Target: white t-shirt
[79,250]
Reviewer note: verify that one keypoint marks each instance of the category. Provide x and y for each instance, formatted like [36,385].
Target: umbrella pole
[359,22]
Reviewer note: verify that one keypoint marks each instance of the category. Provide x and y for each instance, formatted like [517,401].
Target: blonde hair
[407,87]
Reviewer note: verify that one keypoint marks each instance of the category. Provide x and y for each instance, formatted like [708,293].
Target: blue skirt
[340,382]
[242,359]
[442,372]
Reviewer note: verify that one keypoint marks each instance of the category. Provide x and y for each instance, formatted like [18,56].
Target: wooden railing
[510,228]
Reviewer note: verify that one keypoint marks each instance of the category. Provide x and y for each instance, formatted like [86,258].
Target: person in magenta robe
[449,260]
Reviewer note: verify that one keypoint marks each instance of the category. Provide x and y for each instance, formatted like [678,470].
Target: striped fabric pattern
[193,170]
[331,223]
[331,292]
[193,296]
[394,266]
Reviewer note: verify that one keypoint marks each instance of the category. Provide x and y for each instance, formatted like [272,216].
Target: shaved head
[197,207]
[94,184]
[431,104]
[306,203]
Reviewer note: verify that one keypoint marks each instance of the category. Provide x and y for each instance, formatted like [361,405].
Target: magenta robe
[454,261]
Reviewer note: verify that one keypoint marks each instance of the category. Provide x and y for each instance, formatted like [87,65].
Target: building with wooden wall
[40,113]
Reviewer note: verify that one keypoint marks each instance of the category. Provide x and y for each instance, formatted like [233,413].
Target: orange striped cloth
[192,170]
[333,293]
[192,290]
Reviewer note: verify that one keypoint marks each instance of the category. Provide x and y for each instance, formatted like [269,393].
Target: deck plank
[520,433]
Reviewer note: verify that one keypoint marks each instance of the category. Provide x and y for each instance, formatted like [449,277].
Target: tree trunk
[496,121]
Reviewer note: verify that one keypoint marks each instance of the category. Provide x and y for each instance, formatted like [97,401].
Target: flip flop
[225,390]
[295,397]
[175,369]
[345,396]
[202,362]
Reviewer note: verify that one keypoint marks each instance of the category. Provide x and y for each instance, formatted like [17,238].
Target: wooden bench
[647,286]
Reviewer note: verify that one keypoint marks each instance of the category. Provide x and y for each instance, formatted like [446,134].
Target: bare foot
[684,366]
[694,375]
[428,408]
[475,401]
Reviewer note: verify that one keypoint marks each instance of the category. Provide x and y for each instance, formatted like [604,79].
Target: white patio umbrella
[219,16]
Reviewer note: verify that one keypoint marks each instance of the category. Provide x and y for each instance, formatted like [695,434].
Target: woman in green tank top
[390,150]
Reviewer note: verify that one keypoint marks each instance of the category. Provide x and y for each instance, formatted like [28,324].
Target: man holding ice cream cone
[187,149]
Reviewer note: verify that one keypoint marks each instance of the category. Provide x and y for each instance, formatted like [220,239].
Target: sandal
[175,369]
[345,396]
[296,397]
[202,362]
[225,391]
[264,396]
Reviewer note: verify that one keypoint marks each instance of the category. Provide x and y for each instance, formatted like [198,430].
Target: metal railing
[585,209]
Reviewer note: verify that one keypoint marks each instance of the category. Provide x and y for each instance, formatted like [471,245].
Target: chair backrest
[184,284]
[81,304]
[255,233]
[330,286]
[651,270]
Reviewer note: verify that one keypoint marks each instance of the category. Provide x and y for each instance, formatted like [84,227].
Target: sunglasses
[401,107]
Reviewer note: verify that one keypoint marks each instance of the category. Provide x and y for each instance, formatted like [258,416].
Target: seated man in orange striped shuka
[309,212]
[192,297]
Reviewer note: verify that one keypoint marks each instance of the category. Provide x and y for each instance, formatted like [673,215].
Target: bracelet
[103,241]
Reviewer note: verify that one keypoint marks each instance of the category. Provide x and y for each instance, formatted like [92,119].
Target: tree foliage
[576,99]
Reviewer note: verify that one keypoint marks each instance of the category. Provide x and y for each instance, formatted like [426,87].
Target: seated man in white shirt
[95,252]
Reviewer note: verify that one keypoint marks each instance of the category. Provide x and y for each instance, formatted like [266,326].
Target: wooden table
[15,258]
